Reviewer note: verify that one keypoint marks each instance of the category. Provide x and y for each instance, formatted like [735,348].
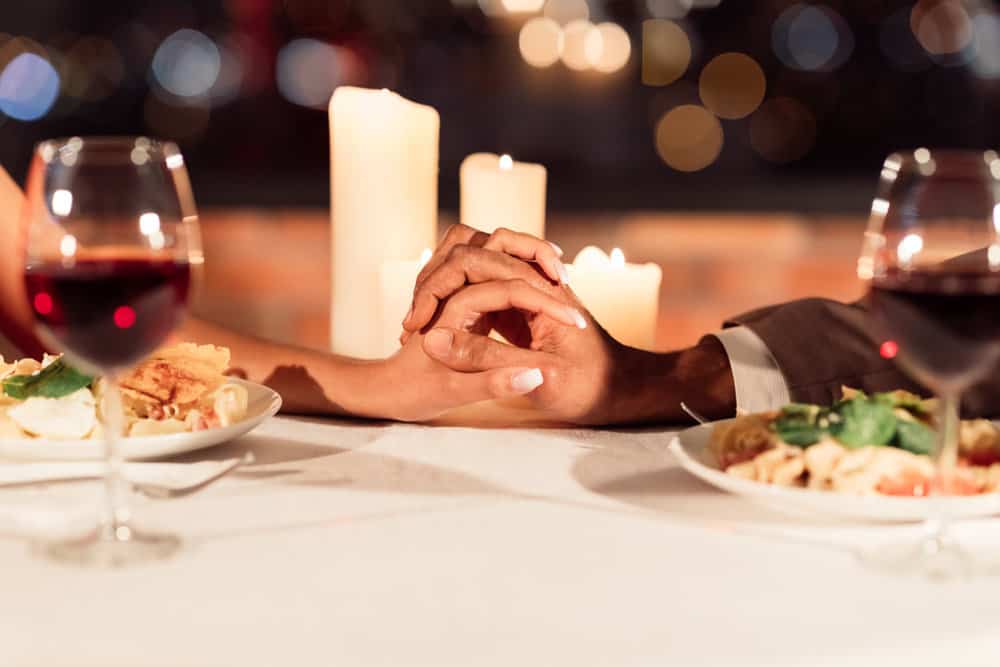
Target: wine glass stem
[948,435]
[947,459]
[116,526]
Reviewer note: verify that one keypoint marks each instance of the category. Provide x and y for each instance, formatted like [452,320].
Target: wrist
[649,386]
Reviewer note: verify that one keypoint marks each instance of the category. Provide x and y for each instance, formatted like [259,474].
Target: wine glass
[931,259]
[112,241]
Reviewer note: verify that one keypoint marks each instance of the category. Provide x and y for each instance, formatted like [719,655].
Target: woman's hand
[420,388]
[467,256]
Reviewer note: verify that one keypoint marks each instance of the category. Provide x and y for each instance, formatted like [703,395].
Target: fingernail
[578,318]
[438,342]
[526,381]
[557,249]
[563,273]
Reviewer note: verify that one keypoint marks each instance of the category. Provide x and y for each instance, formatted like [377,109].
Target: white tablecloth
[353,543]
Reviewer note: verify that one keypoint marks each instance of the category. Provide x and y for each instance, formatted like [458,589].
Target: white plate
[263,403]
[690,447]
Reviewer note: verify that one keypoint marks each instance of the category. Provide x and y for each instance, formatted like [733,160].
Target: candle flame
[617,258]
[67,246]
[425,257]
[506,162]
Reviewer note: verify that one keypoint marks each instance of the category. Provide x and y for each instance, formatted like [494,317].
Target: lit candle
[499,192]
[623,297]
[396,282]
[384,164]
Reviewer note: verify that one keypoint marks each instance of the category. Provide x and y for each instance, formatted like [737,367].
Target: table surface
[356,543]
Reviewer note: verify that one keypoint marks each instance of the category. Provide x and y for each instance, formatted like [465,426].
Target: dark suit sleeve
[822,345]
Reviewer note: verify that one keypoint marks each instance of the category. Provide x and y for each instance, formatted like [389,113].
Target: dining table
[488,537]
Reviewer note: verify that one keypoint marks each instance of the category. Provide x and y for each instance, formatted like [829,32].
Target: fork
[165,491]
[692,414]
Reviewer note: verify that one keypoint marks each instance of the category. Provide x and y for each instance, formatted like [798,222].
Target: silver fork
[163,491]
[692,414]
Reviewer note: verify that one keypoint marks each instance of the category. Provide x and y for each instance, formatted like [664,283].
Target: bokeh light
[522,6]
[666,52]
[732,85]
[689,138]
[565,12]
[541,42]
[782,130]
[669,9]
[187,63]
[986,28]
[811,38]
[574,53]
[941,26]
[29,86]
[607,47]
[309,70]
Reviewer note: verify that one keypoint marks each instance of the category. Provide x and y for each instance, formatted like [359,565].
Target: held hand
[423,388]
[550,329]
[467,256]
[580,367]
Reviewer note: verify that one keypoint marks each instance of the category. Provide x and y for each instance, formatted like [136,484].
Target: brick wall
[267,272]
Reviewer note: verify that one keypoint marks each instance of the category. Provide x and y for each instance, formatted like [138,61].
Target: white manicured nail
[563,273]
[578,318]
[557,249]
[527,381]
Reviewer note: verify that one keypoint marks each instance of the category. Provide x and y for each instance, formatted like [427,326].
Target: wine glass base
[100,549]
[938,558]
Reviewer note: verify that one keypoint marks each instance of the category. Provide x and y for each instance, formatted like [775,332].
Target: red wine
[108,313]
[946,324]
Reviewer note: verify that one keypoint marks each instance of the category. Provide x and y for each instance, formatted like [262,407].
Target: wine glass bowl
[112,246]
[931,260]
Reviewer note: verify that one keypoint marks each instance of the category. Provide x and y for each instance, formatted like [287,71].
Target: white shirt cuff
[760,386]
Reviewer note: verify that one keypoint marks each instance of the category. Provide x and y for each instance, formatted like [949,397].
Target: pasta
[178,389]
[863,446]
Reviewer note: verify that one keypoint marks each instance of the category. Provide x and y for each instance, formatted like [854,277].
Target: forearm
[309,382]
[648,387]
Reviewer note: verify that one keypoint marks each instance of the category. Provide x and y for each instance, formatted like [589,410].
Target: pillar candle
[384,171]
[396,281]
[623,297]
[499,192]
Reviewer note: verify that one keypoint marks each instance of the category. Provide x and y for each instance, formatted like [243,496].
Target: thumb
[471,352]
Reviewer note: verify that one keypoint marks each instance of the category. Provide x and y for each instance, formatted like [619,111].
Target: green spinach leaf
[914,437]
[863,422]
[56,380]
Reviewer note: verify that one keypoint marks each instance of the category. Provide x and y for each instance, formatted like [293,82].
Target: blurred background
[735,142]
[792,104]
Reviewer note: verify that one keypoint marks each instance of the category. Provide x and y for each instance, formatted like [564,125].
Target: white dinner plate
[263,403]
[690,447]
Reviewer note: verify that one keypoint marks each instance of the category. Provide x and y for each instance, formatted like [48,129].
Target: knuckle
[502,234]
[459,252]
